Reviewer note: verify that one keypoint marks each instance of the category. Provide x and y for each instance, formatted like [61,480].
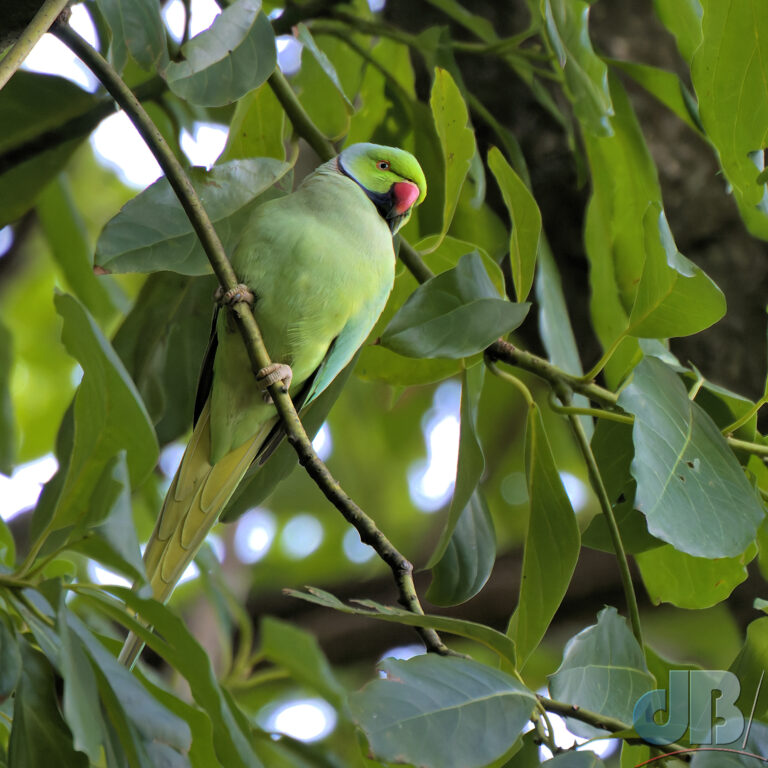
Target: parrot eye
[382,165]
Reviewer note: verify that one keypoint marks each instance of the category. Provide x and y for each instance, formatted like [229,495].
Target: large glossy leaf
[148,716]
[111,536]
[674,297]
[744,752]
[137,29]
[174,642]
[429,710]
[39,737]
[305,38]
[162,342]
[223,63]
[109,415]
[256,128]
[690,486]
[585,759]
[456,140]
[31,105]
[68,239]
[690,582]
[525,239]
[683,19]
[81,696]
[603,669]
[468,559]
[298,652]
[730,75]
[7,421]
[455,314]
[152,233]
[586,76]
[552,543]
[491,638]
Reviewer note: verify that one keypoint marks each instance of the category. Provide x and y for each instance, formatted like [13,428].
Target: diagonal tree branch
[257,352]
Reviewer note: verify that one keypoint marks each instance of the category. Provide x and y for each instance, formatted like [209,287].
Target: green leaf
[39,737]
[223,63]
[457,140]
[7,421]
[555,324]
[429,710]
[68,238]
[298,652]
[552,543]
[665,86]
[7,546]
[690,486]
[111,535]
[162,341]
[603,670]
[468,559]
[152,233]
[749,665]
[633,528]
[305,38]
[109,415]
[586,76]
[475,23]
[674,298]
[683,19]
[81,697]
[525,239]
[151,719]
[256,128]
[690,582]
[455,314]
[730,75]
[137,29]
[173,641]
[491,638]
[31,105]
[471,461]
[10,659]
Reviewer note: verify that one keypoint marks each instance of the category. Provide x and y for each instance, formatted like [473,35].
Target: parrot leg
[234,296]
[271,375]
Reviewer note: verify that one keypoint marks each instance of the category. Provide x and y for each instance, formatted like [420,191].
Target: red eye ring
[383,165]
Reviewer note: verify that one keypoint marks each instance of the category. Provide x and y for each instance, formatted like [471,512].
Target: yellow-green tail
[195,499]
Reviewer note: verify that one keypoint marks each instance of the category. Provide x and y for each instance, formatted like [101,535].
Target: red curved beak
[404,195]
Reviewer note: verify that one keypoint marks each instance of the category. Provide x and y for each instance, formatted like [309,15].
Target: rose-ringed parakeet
[319,265]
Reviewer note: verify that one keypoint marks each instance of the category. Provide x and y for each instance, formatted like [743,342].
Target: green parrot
[317,266]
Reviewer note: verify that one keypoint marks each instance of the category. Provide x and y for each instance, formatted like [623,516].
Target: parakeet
[319,264]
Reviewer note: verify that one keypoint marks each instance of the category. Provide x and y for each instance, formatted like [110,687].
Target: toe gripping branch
[240,293]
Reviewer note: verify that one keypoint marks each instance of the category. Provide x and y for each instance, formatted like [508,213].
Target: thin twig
[257,352]
[41,22]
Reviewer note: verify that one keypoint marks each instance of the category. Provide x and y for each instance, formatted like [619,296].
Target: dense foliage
[100,366]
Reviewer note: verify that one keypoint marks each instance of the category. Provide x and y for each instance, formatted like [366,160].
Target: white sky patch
[301,536]
[576,490]
[204,145]
[403,652]
[22,489]
[52,57]
[118,145]
[323,443]
[354,549]
[288,54]
[217,545]
[307,720]
[431,482]
[377,5]
[100,575]
[170,458]
[255,534]
[6,239]
[203,14]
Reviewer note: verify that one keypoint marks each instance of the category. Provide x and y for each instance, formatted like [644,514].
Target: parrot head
[392,178]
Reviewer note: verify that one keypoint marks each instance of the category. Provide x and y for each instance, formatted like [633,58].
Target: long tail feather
[195,499]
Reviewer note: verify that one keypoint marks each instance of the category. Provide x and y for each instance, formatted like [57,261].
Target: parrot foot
[271,375]
[235,295]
